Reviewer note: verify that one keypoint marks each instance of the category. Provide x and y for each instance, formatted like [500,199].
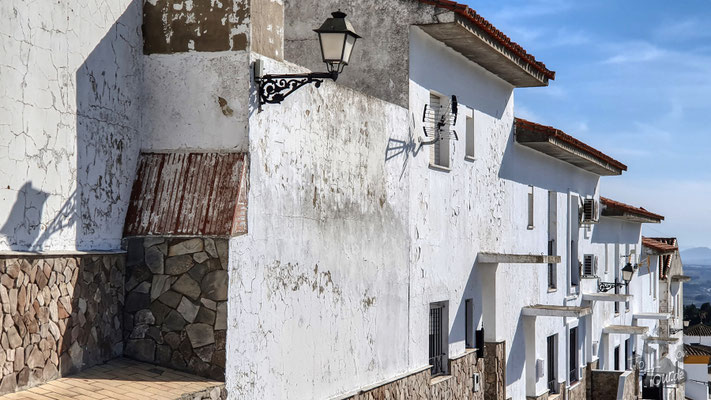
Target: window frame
[441,147]
[443,367]
[573,356]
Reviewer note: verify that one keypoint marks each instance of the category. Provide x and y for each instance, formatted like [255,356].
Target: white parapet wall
[70,105]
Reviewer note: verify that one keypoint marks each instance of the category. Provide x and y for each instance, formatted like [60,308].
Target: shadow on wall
[529,167]
[108,88]
[24,223]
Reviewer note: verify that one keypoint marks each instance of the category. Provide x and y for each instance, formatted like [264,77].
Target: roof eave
[565,152]
[476,45]
[631,217]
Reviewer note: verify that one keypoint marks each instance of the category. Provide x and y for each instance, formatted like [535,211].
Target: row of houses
[398,233]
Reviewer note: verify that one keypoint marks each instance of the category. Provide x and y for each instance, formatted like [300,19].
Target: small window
[573,356]
[470,151]
[552,234]
[616,357]
[552,361]
[530,207]
[439,340]
[628,353]
[470,341]
[439,151]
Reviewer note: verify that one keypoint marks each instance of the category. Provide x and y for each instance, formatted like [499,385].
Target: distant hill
[696,255]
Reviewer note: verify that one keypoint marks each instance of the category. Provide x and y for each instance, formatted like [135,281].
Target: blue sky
[633,79]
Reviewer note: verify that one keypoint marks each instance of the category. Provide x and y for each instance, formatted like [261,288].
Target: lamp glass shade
[627,272]
[332,46]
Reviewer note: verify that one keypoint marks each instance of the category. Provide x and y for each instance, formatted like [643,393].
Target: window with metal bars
[438,339]
[552,358]
[573,356]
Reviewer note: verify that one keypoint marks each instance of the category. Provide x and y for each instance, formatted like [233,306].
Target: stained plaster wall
[481,206]
[69,101]
[319,298]
[379,63]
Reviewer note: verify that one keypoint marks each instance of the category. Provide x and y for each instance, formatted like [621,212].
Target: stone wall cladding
[578,391]
[604,384]
[495,364]
[175,313]
[60,314]
[420,386]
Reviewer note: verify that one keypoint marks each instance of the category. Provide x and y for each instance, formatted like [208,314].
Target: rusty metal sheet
[188,194]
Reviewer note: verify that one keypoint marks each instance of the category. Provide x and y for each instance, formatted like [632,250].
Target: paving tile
[119,379]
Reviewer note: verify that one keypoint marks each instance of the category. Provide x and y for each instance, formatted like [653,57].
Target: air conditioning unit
[591,211]
[476,380]
[589,265]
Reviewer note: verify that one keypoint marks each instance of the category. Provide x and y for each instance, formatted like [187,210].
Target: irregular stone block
[36,359]
[189,246]
[188,309]
[14,339]
[170,298]
[214,285]
[155,260]
[8,384]
[221,317]
[173,322]
[178,265]
[141,349]
[200,257]
[12,269]
[160,285]
[205,316]
[187,286]
[144,317]
[200,334]
[205,353]
[210,247]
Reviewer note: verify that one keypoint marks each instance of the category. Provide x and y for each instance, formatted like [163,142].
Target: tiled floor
[119,379]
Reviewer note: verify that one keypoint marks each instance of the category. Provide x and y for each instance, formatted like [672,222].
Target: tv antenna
[438,122]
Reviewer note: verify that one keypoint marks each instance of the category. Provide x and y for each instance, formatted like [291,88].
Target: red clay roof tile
[630,209]
[558,134]
[659,245]
[486,26]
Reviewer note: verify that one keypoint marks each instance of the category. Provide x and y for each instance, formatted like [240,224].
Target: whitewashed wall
[319,286]
[70,76]
[196,101]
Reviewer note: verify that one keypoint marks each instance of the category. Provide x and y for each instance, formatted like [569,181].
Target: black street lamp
[627,272]
[336,38]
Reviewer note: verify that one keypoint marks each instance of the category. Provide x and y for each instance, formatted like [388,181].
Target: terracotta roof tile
[562,136]
[698,330]
[630,209]
[697,350]
[659,244]
[497,35]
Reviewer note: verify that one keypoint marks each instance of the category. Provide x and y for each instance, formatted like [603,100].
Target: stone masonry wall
[176,311]
[604,384]
[60,314]
[495,362]
[420,386]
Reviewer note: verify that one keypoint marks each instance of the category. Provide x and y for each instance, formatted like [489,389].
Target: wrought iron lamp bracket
[273,89]
[606,286]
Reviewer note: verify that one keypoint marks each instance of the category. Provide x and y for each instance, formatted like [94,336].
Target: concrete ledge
[661,339]
[606,297]
[625,330]
[543,310]
[680,278]
[654,316]
[500,258]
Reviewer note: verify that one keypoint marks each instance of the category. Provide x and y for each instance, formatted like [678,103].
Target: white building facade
[361,248]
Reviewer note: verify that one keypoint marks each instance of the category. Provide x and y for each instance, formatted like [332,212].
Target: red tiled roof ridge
[635,210]
[486,26]
[557,133]
[658,245]
[698,330]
